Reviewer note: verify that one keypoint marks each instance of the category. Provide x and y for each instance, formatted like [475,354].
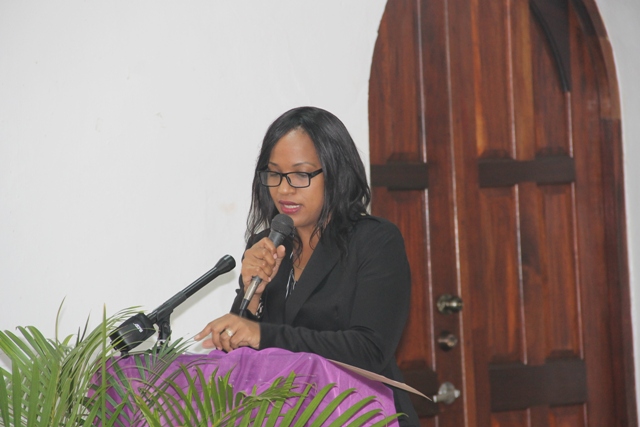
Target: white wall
[128,131]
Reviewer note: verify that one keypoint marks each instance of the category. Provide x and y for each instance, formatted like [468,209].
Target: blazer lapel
[323,260]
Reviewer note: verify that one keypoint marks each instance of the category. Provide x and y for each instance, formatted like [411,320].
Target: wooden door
[495,147]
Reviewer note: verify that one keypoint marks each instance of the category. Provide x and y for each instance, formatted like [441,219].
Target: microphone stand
[140,327]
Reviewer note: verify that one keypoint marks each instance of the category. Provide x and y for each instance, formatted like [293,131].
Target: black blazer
[350,309]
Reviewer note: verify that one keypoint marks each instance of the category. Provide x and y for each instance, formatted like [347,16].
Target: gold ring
[229,332]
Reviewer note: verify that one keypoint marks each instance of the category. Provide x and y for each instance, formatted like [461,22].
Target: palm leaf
[365,419]
[17,395]
[208,409]
[313,405]
[291,414]
[4,400]
[354,409]
[49,381]
[77,382]
[276,412]
[331,407]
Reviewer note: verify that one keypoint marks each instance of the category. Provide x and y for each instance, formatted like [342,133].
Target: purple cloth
[260,368]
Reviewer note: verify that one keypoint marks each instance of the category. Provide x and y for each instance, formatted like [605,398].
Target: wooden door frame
[617,264]
[614,201]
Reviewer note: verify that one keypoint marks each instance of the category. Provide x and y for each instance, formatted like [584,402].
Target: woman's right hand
[262,260]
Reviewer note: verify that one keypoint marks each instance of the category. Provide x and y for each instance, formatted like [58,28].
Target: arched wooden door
[495,146]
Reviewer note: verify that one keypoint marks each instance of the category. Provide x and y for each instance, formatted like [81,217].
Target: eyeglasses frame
[286,176]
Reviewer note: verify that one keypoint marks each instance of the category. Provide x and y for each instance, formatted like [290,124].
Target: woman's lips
[289,207]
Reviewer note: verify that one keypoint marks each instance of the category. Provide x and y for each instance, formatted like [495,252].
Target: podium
[252,371]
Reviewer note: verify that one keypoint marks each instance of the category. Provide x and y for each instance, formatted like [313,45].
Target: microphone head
[282,224]
[225,264]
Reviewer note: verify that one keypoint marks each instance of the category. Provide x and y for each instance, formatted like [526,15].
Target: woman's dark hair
[346,192]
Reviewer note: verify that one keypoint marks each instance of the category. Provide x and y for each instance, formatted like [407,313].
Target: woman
[340,287]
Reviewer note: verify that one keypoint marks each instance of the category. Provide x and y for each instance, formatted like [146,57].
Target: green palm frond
[207,402]
[76,381]
[49,381]
[214,403]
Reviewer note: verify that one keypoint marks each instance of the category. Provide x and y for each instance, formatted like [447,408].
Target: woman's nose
[285,187]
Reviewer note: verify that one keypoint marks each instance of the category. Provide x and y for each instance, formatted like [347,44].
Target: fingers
[259,261]
[280,252]
[230,332]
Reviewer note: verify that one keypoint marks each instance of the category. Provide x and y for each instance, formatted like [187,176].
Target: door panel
[490,151]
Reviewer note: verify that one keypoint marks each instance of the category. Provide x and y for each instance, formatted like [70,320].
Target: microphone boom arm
[139,327]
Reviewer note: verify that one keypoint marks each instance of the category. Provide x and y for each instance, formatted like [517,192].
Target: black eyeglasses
[295,179]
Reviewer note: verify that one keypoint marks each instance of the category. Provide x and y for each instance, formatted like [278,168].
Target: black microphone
[281,227]
[138,328]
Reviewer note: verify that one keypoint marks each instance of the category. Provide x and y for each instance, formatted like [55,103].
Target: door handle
[448,304]
[447,393]
[447,340]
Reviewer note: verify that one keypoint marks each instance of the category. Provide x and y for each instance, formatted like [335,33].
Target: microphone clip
[138,329]
[132,333]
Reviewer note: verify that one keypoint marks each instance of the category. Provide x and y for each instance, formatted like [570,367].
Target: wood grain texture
[496,148]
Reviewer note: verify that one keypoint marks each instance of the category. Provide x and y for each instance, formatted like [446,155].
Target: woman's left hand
[230,332]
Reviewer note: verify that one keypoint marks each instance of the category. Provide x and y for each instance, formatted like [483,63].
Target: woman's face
[295,152]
